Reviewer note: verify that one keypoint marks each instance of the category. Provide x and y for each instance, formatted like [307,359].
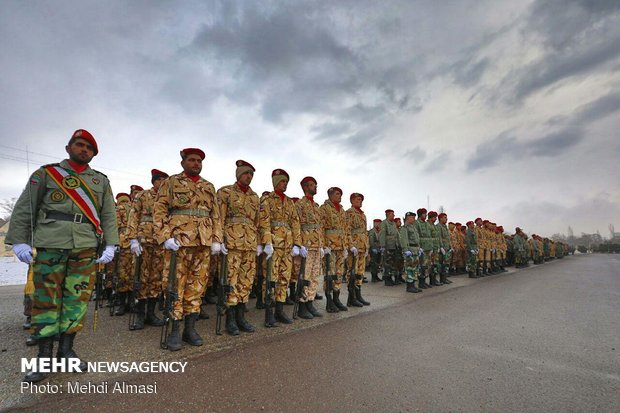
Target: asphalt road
[546,338]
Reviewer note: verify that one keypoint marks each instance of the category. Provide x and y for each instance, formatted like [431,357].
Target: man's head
[470,224]
[443,218]
[356,199]
[244,172]
[308,185]
[398,223]
[409,218]
[134,189]
[157,177]
[334,194]
[389,214]
[279,179]
[376,223]
[82,147]
[422,214]
[191,161]
[432,217]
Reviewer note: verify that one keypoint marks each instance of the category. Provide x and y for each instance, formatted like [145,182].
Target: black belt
[61,216]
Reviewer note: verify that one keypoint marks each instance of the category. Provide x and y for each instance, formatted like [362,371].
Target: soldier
[389,240]
[282,239]
[464,252]
[519,248]
[426,244]
[140,231]
[400,262]
[375,249]
[435,258]
[482,247]
[357,224]
[337,243]
[239,209]
[66,212]
[410,245]
[186,219]
[125,264]
[471,242]
[311,247]
[445,249]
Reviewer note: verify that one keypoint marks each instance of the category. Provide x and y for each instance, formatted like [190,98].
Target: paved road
[542,339]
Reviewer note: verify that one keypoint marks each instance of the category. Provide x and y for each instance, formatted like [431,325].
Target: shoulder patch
[100,173]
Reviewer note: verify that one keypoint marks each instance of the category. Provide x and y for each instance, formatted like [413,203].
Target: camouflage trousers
[151,271]
[412,268]
[360,265]
[281,273]
[460,258]
[375,262]
[241,270]
[192,266]
[426,262]
[336,263]
[472,262]
[296,269]
[312,274]
[63,282]
[443,261]
[125,270]
[390,262]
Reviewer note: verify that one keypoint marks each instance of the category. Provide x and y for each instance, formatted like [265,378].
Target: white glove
[345,253]
[493,250]
[408,253]
[420,252]
[223,249]
[171,244]
[259,249]
[375,251]
[382,249]
[107,255]
[23,252]
[216,248]
[295,251]
[322,250]
[354,251]
[269,250]
[367,253]
[442,251]
[472,251]
[304,251]
[136,249]
[450,250]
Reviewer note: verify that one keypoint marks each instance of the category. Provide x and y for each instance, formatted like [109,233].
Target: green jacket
[388,238]
[471,239]
[409,239]
[434,236]
[444,237]
[518,243]
[373,239]
[43,195]
[424,233]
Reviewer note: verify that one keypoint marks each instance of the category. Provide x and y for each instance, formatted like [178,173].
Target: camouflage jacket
[409,239]
[335,228]
[123,210]
[43,195]
[284,229]
[241,217]
[444,237]
[481,234]
[310,222]
[140,224]
[389,236]
[425,235]
[187,211]
[374,239]
[434,236]
[356,220]
[471,239]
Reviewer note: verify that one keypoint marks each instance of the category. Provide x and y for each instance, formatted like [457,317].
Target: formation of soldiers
[183,244]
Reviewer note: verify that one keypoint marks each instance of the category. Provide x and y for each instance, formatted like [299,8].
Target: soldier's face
[192,165]
[357,202]
[422,217]
[246,178]
[377,225]
[443,220]
[390,216]
[158,182]
[282,185]
[80,151]
[432,219]
[335,197]
[310,188]
[409,220]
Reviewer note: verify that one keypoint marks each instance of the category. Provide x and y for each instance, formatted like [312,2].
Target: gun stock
[170,299]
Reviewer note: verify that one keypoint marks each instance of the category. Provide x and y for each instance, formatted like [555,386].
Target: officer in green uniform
[388,239]
[445,248]
[66,212]
[410,244]
[471,241]
[375,249]
[426,243]
[434,265]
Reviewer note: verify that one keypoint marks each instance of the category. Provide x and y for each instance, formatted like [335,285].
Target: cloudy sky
[499,109]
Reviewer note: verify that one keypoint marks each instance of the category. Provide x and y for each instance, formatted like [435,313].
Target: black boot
[174,339]
[253,291]
[151,319]
[203,309]
[358,295]
[122,298]
[231,321]
[281,315]
[364,280]
[139,320]
[46,347]
[422,282]
[211,295]
[375,278]
[303,312]
[387,279]
[160,302]
[337,301]
[411,288]
[290,295]
[190,335]
[312,310]
[318,296]
[397,279]
[241,321]
[433,279]
[65,349]
[270,320]
[28,323]
[330,307]
[445,279]
[352,299]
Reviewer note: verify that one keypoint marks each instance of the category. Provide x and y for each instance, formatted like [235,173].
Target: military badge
[57,196]
[70,182]
[183,200]
[96,181]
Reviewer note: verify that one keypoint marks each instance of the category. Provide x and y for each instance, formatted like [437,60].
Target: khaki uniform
[357,224]
[483,244]
[337,238]
[126,261]
[311,238]
[188,211]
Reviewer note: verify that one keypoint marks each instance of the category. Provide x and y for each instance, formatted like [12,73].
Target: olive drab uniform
[426,243]
[389,241]
[66,242]
[374,244]
[187,211]
[336,237]
[471,243]
[311,238]
[410,242]
[445,257]
[436,258]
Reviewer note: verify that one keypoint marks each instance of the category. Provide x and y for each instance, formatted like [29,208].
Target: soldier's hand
[322,251]
[107,255]
[327,251]
[420,252]
[295,252]
[443,251]
[304,251]
[375,251]
[171,244]
[408,253]
[223,249]
[136,249]
[269,250]
[259,249]
[216,248]
[354,251]
[382,250]
[472,251]
[345,253]
[23,252]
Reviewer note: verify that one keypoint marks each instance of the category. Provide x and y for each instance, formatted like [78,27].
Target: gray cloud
[417,154]
[438,163]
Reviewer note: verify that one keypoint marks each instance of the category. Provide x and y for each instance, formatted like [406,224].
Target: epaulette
[94,170]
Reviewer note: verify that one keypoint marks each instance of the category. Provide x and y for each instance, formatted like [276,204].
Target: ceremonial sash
[78,191]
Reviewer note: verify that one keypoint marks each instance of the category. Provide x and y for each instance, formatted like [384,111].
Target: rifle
[171,298]
[98,292]
[223,288]
[269,291]
[259,283]
[113,294]
[301,283]
[134,293]
[329,281]
[352,275]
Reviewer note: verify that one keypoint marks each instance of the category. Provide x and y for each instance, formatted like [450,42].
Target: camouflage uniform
[389,241]
[410,241]
[336,237]
[445,257]
[471,242]
[311,238]
[187,211]
[426,243]
[483,245]
[375,253]
[126,262]
[357,224]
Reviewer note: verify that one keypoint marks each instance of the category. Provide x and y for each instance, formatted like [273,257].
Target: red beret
[387,211]
[307,179]
[376,220]
[469,222]
[334,189]
[241,162]
[265,193]
[458,224]
[192,151]
[500,228]
[277,172]
[355,195]
[397,219]
[421,211]
[122,195]
[442,215]
[84,134]
[136,188]
[478,219]
[486,221]
[158,173]
[432,214]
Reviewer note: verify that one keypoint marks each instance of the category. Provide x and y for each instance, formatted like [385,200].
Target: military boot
[139,320]
[281,315]
[211,295]
[173,343]
[318,296]
[337,302]
[122,298]
[151,319]
[241,321]
[375,278]
[387,279]
[290,295]
[358,295]
[312,310]
[411,288]
[28,323]
[190,335]
[203,309]
[231,321]
[445,279]
[330,307]
[352,299]
[253,291]
[31,341]
[422,281]
[433,280]
[270,320]
[303,312]
[46,347]
[65,350]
